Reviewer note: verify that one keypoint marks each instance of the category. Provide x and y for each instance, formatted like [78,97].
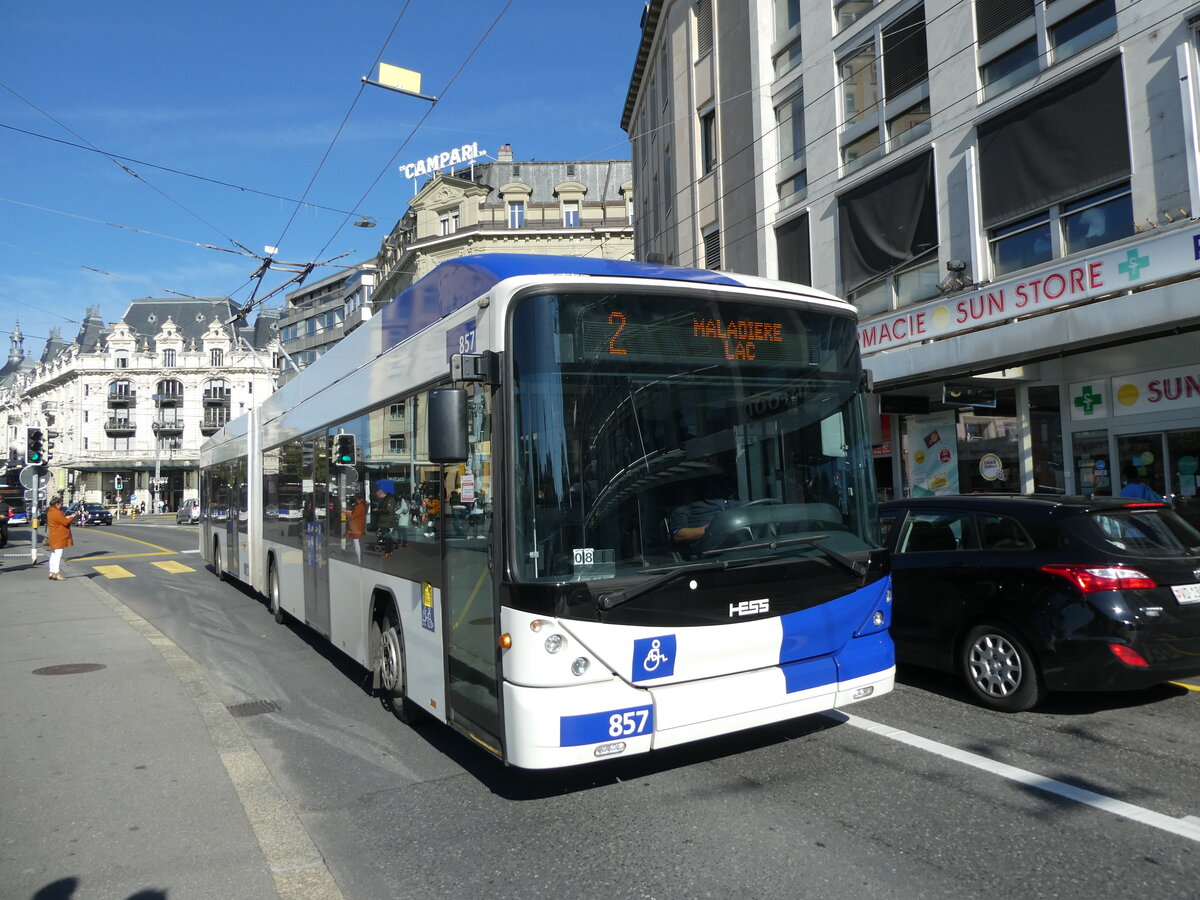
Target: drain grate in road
[252,708]
[69,669]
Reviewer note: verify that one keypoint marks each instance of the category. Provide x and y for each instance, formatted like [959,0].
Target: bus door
[470,608]
[315,491]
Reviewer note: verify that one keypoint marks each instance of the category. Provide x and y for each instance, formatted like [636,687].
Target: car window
[1146,532]
[1002,533]
[933,531]
[885,527]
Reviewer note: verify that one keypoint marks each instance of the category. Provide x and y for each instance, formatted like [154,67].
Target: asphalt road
[917,794]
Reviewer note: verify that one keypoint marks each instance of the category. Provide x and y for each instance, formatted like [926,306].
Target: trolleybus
[574,508]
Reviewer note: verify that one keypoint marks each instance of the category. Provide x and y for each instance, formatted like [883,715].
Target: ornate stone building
[510,206]
[138,397]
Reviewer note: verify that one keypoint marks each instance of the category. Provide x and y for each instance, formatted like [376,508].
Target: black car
[1019,595]
[96,514]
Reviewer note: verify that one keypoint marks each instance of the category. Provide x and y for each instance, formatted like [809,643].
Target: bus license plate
[1187,593]
[596,728]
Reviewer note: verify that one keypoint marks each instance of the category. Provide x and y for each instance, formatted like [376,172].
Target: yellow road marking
[171,565]
[87,557]
[144,543]
[113,572]
[1190,687]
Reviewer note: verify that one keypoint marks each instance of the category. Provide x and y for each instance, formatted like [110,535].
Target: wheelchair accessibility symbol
[654,657]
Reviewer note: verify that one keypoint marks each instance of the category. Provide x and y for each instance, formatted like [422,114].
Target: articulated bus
[574,508]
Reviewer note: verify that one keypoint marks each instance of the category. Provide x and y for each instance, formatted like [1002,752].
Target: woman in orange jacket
[59,538]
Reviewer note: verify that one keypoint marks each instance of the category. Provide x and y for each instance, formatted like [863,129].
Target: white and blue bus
[574,508]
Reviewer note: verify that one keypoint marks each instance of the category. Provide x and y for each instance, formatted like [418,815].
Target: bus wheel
[273,593]
[217,567]
[392,682]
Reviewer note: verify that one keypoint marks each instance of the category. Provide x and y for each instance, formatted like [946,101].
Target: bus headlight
[580,665]
[555,642]
[877,619]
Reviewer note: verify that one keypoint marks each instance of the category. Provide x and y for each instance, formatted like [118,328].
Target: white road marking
[1185,827]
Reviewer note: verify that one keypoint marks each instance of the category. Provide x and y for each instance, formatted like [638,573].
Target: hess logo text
[750,608]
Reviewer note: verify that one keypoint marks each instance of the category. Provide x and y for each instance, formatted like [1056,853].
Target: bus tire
[391,664]
[273,592]
[218,569]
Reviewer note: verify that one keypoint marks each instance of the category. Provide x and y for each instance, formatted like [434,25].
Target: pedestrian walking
[59,538]
[5,515]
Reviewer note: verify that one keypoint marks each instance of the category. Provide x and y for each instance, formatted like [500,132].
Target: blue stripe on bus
[457,282]
[866,655]
[822,629]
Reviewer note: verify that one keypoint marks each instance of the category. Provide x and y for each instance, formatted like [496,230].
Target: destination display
[632,331]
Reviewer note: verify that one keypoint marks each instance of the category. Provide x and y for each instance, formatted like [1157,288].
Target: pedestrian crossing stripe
[113,571]
[174,567]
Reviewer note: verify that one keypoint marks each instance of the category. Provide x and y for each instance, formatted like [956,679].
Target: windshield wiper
[608,601]
[855,568]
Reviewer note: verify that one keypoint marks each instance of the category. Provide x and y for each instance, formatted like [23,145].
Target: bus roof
[457,282]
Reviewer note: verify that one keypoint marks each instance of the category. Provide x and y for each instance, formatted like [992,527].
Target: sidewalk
[120,772]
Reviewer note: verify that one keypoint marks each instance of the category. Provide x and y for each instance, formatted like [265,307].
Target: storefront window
[1183,449]
[1093,471]
[989,448]
[1045,423]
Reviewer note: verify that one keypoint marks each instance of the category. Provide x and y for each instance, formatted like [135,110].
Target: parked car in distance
[188,513]
[1020,595]
[95,514]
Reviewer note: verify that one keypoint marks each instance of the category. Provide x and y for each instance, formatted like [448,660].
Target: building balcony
[168,401]
[122,398]
[217,397]
[212,426]
[120,427]
[169,428]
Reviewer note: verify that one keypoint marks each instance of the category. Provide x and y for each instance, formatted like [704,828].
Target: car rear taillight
[1091,579]
[1128,655]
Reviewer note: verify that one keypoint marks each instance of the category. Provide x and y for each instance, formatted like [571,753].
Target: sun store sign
[1129,395]
[444,160]
[1154,259]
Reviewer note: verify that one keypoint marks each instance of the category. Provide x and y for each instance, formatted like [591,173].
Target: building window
[1036,206]
[1079,30]
[1009,68]
[168,358]
[792,251]
[874,121]
[704,27]
[217,358]
[847,12]
[994,17]
[712,249]
[396,444]
[793,175]
[396,411]
[122,362]
[570,211]
[1073,227]
[516,214]
[886,259]
[708,141]
[449,223]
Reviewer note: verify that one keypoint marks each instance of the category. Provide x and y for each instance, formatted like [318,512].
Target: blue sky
[252,94]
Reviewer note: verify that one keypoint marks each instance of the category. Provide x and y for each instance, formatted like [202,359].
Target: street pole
[158,398]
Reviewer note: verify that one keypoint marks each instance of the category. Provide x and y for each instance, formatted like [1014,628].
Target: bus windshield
[658,430]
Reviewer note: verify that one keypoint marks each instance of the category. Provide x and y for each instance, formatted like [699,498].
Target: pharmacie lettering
[1076,280]
[900,328]
[430,164]
[1171,389]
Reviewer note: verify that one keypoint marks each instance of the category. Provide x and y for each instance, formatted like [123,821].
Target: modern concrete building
[320,314]
[510,206]
[1006,189]
[135,399]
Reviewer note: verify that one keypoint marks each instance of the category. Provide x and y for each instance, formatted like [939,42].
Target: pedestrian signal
[345,452]
[35,450]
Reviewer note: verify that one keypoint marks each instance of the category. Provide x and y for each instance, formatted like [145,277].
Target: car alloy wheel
[999,669]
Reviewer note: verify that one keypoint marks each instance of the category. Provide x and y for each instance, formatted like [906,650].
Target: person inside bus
[688,524]
[385,514]
[356,524]
[1136,487]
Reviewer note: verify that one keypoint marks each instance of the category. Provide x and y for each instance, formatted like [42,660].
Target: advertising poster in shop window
[933,454]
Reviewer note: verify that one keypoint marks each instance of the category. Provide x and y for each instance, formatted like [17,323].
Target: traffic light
[51,434]
[345,452]
[35,451]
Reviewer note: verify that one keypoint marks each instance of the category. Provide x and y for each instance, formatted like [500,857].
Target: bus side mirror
[447,411]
